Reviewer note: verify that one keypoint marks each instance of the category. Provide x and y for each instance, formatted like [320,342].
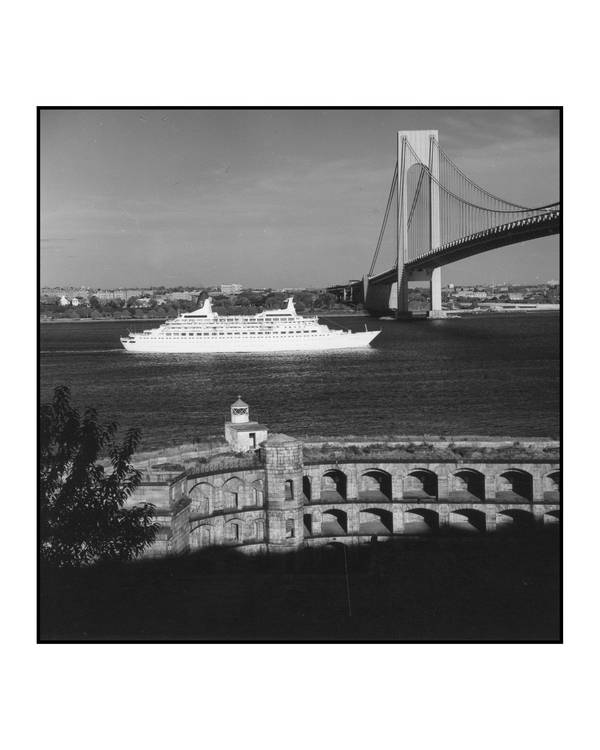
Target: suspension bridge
[436,215]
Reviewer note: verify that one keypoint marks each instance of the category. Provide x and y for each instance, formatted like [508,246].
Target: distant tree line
[247,302]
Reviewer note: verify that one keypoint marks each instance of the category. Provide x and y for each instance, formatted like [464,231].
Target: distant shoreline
[335,314]
[149,320]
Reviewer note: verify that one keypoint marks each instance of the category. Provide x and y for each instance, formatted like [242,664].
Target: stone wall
[282,457]
[286,504]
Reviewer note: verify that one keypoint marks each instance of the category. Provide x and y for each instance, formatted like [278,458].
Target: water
[486,375]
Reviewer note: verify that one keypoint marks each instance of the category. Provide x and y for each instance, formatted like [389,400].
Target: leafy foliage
[83,519]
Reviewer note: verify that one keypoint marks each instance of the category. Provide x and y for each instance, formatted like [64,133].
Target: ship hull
[301,344]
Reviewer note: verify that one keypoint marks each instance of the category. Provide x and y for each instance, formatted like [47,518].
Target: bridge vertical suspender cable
[461,209]
[466,208]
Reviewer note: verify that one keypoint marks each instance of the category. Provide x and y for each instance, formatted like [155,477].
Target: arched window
[468,520]
[515,520]
[421,521]
[205,536]
[232,493]
[468,484]
[334,522]
[333,485]
[375,521]
[552,486]
[306,487]
[376,484]
[515,485]
[421,484]
[257,492]
[202,498]
[289,489]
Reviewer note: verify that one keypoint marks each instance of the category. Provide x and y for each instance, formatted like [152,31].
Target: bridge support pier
[402,294]
[435,289]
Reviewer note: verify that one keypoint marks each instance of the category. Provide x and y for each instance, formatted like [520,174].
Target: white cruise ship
[270,331]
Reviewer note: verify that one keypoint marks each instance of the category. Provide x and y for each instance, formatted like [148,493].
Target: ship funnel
[203,312]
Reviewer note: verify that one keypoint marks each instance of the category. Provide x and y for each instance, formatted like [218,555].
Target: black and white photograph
[299,374]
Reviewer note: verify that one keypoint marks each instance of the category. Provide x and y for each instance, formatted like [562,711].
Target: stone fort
[267,497]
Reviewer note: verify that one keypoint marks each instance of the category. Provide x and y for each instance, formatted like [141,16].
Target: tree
[82,517]
[325,300]
[274,301]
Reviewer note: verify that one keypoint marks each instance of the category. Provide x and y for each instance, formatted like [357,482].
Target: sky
[266,198]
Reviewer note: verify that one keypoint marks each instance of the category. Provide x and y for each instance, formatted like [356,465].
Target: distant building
[75,302]
[231,288]
[142,302]
[63,301]
[180,296]
[105,294]
[473,295]
[124,294]
[515,296]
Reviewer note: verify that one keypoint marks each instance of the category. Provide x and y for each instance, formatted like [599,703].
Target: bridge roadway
[511,233]
[521,230]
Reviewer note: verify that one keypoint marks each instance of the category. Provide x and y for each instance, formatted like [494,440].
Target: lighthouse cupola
[240,432]
[240,412]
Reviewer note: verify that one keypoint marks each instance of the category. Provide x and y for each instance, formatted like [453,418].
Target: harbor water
[496,374]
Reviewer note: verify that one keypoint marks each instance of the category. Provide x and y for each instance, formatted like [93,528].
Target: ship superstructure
[269,331]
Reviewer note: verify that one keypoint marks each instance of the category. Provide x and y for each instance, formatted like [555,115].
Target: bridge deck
[507,234]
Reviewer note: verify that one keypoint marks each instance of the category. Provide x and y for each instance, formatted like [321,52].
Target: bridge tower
[440,216]
[422,143]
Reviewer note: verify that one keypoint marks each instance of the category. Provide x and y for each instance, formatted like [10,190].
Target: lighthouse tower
[242,434]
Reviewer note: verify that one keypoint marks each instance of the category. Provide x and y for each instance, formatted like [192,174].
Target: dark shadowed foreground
[487,588]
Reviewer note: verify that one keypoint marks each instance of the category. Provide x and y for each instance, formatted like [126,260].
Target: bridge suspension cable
[440,206]
[448,161]
[385,218]
[463,208]
[513,210]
